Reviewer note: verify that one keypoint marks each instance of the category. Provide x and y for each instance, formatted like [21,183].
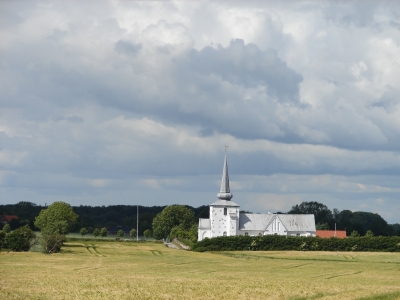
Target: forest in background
[91,217]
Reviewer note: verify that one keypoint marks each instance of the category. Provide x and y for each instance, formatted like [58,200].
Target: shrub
[20,239]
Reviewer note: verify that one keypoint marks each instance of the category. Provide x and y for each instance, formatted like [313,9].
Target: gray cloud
[127,47]
[141,98]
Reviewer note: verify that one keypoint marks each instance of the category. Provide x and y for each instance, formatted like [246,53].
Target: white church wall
[202,234]
[250,232]
[219,222]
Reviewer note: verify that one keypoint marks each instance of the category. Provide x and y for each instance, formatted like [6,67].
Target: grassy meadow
[130,270]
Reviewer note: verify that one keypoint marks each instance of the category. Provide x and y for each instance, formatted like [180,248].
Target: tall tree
[96,232]
[103,232]
[83,231]
[171,216]
[147,233]
[321,212]
[54,223]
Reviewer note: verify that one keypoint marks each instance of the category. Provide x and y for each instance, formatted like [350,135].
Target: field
[130,270]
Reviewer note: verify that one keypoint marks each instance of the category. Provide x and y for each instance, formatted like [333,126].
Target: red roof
[7,218]
[341,234]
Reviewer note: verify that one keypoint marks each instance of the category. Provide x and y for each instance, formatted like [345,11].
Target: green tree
[321,212]
[54,223]
[20,239]
[120,233]
[369,233]
[96,232]
[103,232]
[362,222]
[171,216]
[354,233]
[2,239]
[147,233]
[323,226]
[83,231]
[7,228]
[132,233]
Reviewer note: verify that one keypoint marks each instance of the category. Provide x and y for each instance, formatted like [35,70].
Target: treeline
[91,217]
[346,220]
[276,242]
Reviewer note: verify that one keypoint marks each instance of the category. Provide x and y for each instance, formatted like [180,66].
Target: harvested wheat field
[113,270]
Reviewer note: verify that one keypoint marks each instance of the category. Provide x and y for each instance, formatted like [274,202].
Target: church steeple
[225,193]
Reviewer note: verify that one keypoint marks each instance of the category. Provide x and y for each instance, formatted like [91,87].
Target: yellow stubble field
[129,270]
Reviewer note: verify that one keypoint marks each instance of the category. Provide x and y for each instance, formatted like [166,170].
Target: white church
[226,220]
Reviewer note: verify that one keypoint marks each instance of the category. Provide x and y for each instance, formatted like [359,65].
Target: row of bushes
[276,242]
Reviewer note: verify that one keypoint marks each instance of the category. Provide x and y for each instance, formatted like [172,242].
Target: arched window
[225,211]
[260,234]
[246,233]
[225,233]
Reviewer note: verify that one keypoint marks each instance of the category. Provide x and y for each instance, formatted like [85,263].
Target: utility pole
[137,223]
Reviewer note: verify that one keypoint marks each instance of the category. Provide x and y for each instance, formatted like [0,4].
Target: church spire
[225,193]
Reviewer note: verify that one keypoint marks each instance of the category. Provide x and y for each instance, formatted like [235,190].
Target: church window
[225,211]
[246,233]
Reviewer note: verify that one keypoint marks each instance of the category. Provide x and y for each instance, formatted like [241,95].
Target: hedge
[276,242]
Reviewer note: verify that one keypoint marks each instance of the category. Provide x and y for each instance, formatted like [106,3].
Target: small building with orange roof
[325,234]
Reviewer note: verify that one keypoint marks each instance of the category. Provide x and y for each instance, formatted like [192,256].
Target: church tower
[224,213]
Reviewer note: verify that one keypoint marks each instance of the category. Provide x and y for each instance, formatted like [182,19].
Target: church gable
[275,226]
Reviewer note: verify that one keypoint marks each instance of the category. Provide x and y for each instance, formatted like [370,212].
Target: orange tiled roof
[341,234]
[7,218]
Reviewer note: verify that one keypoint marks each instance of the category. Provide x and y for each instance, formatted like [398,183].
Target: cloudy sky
[123,102]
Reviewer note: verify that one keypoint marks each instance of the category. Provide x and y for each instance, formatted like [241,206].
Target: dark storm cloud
[247,65]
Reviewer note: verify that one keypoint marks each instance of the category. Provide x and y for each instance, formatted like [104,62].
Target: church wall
[250,232]
[222,221]
[233,217]
[202,234]
[301,233]
[219,223]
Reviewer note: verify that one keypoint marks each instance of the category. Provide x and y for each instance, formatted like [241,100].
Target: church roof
[290,222]
[225,203]
[225,192]
[204,223]
[298,222]
[254,221]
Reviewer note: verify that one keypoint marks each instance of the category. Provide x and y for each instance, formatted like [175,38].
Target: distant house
[325,234]
[5,219]
[114,229]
